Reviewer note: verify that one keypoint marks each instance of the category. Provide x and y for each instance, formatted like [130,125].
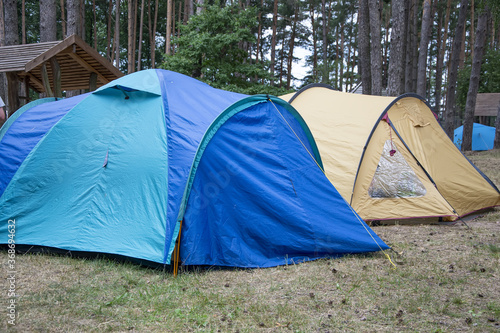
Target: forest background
[444,50]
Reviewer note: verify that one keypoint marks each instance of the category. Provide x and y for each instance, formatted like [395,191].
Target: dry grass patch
[488,162]
[446,280]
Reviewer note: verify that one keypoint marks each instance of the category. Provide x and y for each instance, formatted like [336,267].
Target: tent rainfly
[389,157]
[155,157]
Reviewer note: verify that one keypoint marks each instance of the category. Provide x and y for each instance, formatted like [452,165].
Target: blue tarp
[115,171]
[482,137]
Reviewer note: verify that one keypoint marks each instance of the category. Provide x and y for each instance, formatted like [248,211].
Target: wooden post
[93,81]
[56,76]
[27,88]
[46,82]
[12,92]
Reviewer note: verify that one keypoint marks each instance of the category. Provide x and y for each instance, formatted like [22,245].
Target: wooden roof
[75,57]
[487,104]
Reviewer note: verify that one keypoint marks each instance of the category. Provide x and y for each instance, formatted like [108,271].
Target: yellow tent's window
[394,178]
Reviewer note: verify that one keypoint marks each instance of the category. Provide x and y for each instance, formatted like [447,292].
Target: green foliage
[489,81]
[211,48]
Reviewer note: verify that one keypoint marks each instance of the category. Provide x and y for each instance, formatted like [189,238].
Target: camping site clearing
[441,278]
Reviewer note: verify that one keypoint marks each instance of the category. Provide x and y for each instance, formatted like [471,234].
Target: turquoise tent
[156,155]
[482,137]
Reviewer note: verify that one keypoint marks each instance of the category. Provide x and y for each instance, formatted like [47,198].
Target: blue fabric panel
[259,199]
[190,107]
[482,137]
[97,182]
[290,121]
[25,133]
[21,110]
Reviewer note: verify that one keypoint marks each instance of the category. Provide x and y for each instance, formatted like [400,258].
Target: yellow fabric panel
[340,123]
[430,203]
[458,181]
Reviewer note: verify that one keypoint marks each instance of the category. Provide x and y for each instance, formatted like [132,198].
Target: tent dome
[389,157]
[482,137]
[153,155]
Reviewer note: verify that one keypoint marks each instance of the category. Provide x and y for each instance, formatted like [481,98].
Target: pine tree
[398,38]
[474,79]
[449,121]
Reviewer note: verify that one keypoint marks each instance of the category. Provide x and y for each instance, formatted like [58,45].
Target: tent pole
[177,251]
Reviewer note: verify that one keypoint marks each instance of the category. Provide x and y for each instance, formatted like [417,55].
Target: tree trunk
[376,51]
[411,47]
[179,21]
[108,35]
[449,119]
[169,27]
[48,27]
[150,34]
[153,36]
[472,35]
[364,46]
[470,104]
[130,39]
[117,34]
[139,51]
[385,50]
[95,24]
[291,47]
[341,52]
[190,8]
[422,52]
[199,6]
[134,37]
[440,55]
[81,29]
[273,40]
[173,24]
[398,38]
[187,10]
[461,62]
[315,43]
[11,38]
[414,49]
[11,22]
[259,32]
[282,57]
[63,20]
[2,26]
[73,22]
[325,71]
[23,22]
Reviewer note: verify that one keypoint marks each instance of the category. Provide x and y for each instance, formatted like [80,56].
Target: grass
[446,280]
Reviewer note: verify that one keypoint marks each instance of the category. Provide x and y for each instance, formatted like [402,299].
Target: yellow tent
[389,157]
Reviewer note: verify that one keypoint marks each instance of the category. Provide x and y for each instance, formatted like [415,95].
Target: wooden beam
[37,82]
[45,56]
[86,65]
[93,81]
[70,43]
[99,58]
[46,82]
[56,76]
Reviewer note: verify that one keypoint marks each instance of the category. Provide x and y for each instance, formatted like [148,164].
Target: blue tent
[482,137]
[153,155]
